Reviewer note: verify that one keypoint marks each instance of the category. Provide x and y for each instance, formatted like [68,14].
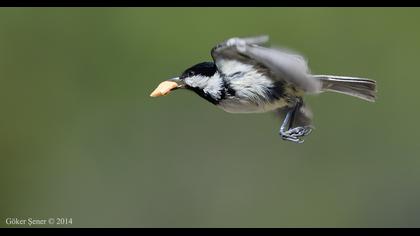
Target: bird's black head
[204,69]
[195,78]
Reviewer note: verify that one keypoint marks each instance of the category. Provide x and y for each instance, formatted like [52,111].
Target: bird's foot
[295,134]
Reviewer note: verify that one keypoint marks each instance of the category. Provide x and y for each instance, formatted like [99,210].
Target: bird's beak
[166,87]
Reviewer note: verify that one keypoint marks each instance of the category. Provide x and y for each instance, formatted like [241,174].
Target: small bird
[246,77]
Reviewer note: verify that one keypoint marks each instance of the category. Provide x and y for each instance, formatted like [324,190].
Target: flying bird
[246,77]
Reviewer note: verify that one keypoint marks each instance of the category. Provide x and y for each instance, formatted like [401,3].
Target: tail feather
[353,86]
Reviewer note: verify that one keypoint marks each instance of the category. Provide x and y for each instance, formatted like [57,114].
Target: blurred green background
[82,139]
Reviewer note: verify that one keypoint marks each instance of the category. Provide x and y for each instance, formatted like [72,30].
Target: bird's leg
[293,134]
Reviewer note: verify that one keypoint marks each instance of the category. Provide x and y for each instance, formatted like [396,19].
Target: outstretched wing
[280,63]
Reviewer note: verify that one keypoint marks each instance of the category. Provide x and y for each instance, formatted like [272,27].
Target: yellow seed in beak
[164,88]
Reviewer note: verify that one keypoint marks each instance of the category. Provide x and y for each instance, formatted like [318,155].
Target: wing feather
[281,63]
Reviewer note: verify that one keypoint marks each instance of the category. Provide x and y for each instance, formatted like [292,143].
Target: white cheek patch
[196,81]
[210,85]
[214,86]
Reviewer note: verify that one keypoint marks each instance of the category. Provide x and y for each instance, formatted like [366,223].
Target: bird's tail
[357,87]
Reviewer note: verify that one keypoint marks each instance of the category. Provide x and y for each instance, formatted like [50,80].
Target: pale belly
[243,106]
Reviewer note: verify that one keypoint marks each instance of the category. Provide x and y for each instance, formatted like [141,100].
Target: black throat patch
[204,95]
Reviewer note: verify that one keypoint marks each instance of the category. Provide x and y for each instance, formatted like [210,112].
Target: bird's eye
[191,73]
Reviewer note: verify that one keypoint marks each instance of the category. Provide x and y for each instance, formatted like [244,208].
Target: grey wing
[229,48]
[282,64]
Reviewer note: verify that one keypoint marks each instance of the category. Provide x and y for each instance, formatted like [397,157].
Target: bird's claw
[295,134]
